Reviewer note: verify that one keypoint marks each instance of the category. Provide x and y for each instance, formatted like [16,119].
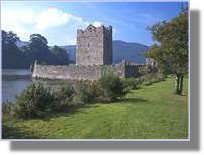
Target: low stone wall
[71,72]
[74,72]
[132,70]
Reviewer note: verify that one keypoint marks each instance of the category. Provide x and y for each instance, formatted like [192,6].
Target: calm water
[13,82]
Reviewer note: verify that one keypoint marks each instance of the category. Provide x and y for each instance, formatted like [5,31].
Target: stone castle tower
[94,46]
[94,50]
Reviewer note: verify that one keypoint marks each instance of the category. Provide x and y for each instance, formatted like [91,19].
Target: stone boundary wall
[132,70]
[71,72]
[74,72]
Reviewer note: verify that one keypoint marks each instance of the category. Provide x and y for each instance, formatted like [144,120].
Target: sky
[59,21]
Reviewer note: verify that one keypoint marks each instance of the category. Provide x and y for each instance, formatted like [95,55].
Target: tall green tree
[171,50]
[14,56]
[39,49]
[60,54]
[9,38]
[11,56]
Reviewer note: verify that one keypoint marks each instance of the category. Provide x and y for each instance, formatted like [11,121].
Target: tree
[26,51]
[38,40]
[11,56]
[9,38]
[61,55]
[39,49]
[171,50]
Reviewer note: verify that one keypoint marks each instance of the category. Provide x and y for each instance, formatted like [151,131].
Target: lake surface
[13,82]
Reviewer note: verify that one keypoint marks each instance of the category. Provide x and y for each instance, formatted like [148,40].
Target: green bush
[151,78]
[108,89]
[84,93]
[132,83]
[7,107]
[112,88]
[64,97]
[35,101]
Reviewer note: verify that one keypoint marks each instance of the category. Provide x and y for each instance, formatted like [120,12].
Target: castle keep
[94,46]
[93,59]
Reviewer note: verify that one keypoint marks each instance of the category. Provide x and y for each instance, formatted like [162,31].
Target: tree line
[37,49]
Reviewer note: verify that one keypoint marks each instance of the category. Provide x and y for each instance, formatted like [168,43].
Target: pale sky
[59,21]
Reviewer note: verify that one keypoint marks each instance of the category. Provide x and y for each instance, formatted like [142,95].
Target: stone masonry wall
[73,72]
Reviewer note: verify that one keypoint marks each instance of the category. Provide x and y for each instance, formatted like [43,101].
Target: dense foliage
[24,56]
[11,55]
[112,87]
[64,97]
[84,93]
[38,100]
[171,51]
[34,101]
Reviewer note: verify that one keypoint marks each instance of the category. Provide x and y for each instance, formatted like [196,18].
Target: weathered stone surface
[94,46]
[73,72]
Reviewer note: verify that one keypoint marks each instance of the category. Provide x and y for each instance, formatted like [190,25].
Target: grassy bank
[152,112]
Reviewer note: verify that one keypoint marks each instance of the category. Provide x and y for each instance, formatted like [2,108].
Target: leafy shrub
[64,97]
[35,101]
[84,93]
[112,87]
[7,107]
[132,83]
[153,78]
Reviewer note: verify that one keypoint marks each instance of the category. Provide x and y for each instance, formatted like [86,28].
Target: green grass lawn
[152,112]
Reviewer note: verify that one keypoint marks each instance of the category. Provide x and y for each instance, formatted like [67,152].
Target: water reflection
[13,82]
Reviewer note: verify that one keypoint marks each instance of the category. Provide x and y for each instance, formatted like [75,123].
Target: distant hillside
[133,52]
[71,50]
[121,50]
[129,51]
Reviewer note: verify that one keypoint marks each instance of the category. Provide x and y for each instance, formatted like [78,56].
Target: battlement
[94,30]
